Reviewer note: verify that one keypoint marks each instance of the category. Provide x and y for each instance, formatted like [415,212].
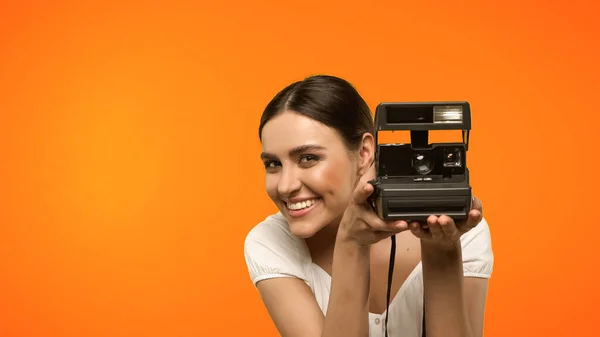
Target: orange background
[128,131]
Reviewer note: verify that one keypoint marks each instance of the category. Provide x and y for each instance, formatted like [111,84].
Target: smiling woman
[306,164]
[320,264]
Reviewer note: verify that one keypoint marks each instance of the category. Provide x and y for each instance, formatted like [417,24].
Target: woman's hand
[360,224]
[443,231]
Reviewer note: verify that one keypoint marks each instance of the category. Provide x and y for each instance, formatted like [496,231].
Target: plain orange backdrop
[129,168]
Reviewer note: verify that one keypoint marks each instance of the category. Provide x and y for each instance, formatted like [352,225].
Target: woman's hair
[327,99]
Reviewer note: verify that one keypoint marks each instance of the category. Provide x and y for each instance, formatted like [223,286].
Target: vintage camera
[416,180]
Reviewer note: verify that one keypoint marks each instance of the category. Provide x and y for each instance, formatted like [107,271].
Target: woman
[321,263]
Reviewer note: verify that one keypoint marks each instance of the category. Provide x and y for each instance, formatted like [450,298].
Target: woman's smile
[302,208]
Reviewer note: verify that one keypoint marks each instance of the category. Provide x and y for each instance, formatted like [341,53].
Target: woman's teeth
[302,204]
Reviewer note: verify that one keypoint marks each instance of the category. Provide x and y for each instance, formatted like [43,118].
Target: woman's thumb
[362,192]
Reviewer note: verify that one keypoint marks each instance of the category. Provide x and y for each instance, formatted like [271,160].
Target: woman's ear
[366,153]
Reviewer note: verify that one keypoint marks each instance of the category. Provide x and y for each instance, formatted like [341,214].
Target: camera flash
[447,114]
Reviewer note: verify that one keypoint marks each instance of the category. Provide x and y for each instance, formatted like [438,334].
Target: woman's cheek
[333,180]
[271,186]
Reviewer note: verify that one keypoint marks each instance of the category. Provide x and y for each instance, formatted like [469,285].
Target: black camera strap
[390,275]
[389,288]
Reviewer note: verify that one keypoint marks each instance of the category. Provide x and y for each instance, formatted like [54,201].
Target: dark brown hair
[327,99]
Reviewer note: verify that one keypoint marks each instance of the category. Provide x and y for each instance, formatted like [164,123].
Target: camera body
[419,179]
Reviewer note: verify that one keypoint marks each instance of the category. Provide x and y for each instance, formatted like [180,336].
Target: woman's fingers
[419,230]
[447,226]
[444,228]
[477,204]
[473,220]
[434,227]
[362,192]
[378,224]
[383,229]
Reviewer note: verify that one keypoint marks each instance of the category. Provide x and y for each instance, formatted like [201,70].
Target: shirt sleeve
[477,253]
[271,252]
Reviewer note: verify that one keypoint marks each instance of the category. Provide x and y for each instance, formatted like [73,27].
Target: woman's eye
[271,164]
[308,158]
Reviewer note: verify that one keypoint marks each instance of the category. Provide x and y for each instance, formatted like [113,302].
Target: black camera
[419,179]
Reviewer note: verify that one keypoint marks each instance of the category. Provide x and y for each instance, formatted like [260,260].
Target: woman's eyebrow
[267,156]
[304,148]
[295,151]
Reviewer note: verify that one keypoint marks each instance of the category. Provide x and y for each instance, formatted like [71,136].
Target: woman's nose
[289,182]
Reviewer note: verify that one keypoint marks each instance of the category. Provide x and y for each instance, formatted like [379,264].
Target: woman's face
[310,173]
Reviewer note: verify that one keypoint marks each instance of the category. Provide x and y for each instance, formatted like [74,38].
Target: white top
[271,250]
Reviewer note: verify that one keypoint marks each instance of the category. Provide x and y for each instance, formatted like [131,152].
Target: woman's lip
[302,212]
[295,200]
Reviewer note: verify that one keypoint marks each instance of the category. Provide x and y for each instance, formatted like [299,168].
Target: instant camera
[419,179]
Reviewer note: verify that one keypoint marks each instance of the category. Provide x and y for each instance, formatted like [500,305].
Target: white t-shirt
[271,250]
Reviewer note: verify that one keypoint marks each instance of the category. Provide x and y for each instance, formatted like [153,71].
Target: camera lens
[422,163]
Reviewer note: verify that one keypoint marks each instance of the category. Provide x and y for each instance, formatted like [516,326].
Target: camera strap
[390,275]
[389,288]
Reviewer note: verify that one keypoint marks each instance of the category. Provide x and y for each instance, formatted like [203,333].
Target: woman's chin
[307,222]
[303,229]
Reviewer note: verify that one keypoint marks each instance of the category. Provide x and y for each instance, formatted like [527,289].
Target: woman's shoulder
[271,250]
[478,236]
[478,256]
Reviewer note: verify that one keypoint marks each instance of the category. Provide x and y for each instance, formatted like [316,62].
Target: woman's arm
[294,311]
[454,305]
[348,310]
[445,308]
